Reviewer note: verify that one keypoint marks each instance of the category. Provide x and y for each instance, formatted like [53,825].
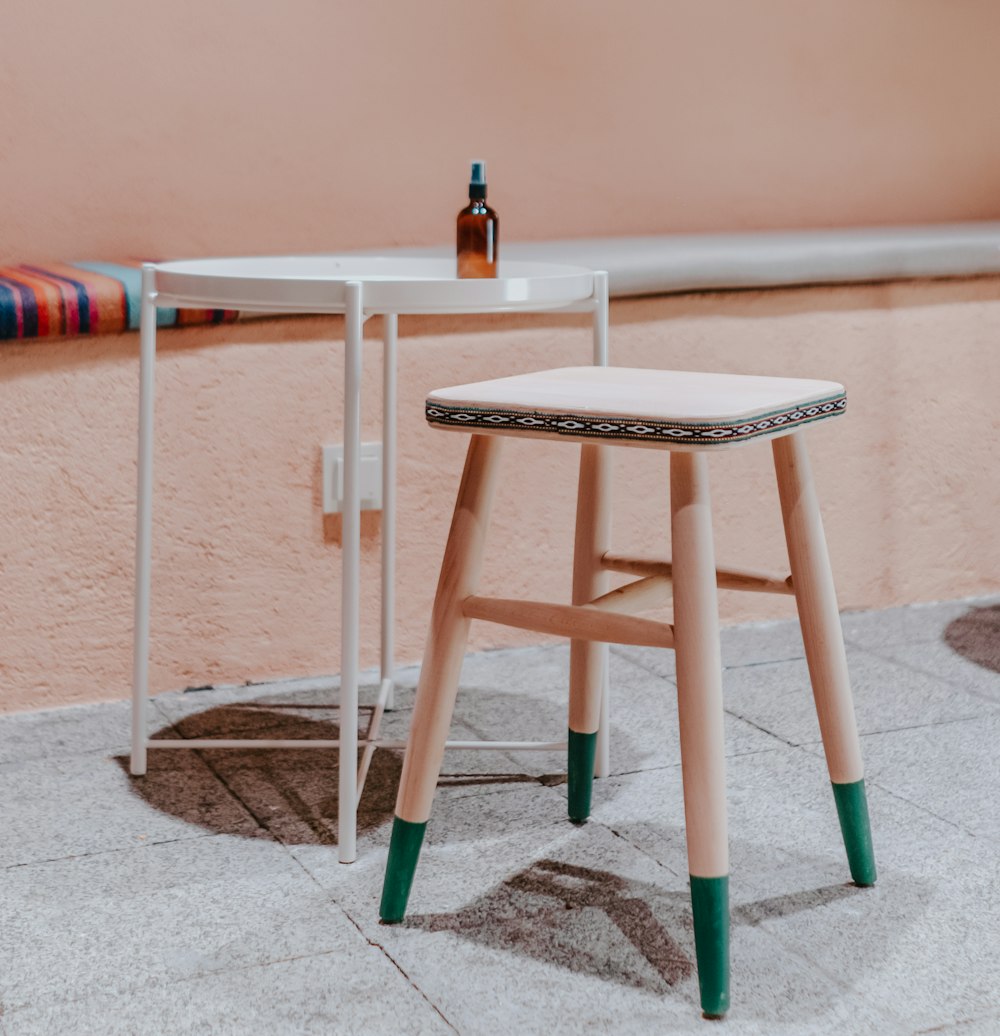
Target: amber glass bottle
[477,230]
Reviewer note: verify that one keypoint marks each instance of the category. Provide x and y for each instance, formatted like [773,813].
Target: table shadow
[291,793]
[976,636]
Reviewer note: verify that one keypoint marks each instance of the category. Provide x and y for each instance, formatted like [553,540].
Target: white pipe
[350,577]
[389,405]
[600,319]
[497,746]
[307,742]
[143,521]
[225,742]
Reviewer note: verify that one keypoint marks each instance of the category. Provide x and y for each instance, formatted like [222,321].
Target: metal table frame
[358,294]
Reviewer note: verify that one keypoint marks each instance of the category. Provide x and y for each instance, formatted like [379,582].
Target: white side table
[358,287]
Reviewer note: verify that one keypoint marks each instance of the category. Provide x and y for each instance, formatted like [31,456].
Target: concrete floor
[207,897]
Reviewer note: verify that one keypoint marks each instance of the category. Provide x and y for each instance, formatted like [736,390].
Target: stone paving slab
[950,769]
[102,729]
[81,804]
[910,624]
[330,994]
[938,660]
[784,833]
[76,730]
[207,896]
[119,920]
[987,1025]
[778,698]
[922,944]
[573,929]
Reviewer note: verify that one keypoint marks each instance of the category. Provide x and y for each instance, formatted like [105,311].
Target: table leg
[143,523]
[602,761]
[347,808]
[388,664]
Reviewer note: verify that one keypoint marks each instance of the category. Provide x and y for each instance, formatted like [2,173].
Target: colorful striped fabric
[82,299]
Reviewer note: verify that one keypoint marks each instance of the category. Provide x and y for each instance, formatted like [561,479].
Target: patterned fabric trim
[634,429]
[82,299]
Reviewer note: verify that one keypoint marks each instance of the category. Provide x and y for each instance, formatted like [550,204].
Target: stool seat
[638,407]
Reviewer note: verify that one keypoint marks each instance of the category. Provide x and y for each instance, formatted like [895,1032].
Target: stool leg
[824,644]
[699,707]
[439,673]
[586,658]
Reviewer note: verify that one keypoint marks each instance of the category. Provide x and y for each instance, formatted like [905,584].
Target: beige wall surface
[244,126]
[248,126]
[246,569]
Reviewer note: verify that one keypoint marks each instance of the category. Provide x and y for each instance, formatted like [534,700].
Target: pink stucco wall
[246,568]
[248,127]
[238,126]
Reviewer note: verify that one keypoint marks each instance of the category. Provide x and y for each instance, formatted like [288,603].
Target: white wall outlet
[371,477]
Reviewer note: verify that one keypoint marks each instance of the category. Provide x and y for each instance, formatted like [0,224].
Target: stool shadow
[588,921]
[599,924]
[976,636]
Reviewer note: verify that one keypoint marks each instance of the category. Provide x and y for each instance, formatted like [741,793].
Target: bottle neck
[477,192]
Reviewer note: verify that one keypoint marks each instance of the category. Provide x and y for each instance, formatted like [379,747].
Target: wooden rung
[725,578]
[578,622]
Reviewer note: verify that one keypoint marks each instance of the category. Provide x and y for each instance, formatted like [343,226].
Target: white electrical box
[371,477]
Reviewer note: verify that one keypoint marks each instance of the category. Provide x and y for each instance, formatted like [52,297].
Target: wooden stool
[688,414]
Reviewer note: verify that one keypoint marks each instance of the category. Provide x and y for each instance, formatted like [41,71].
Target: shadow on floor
[602,925]
[291,793]
[976,636]
[589,921]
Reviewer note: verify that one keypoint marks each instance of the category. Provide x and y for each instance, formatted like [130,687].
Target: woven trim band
[634,429]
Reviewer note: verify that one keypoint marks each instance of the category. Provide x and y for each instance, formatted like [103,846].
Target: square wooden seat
[687,414]
[631,406]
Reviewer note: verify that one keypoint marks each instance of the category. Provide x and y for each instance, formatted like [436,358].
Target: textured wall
[246,569]
[137,129]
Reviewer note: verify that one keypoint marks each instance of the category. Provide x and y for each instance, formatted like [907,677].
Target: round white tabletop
[317,284]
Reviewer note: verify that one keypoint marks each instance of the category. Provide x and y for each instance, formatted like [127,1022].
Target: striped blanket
[81,299]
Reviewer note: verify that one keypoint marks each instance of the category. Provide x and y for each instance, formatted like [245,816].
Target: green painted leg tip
[852,809]
[580,778]
[404,849]
[710,906]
